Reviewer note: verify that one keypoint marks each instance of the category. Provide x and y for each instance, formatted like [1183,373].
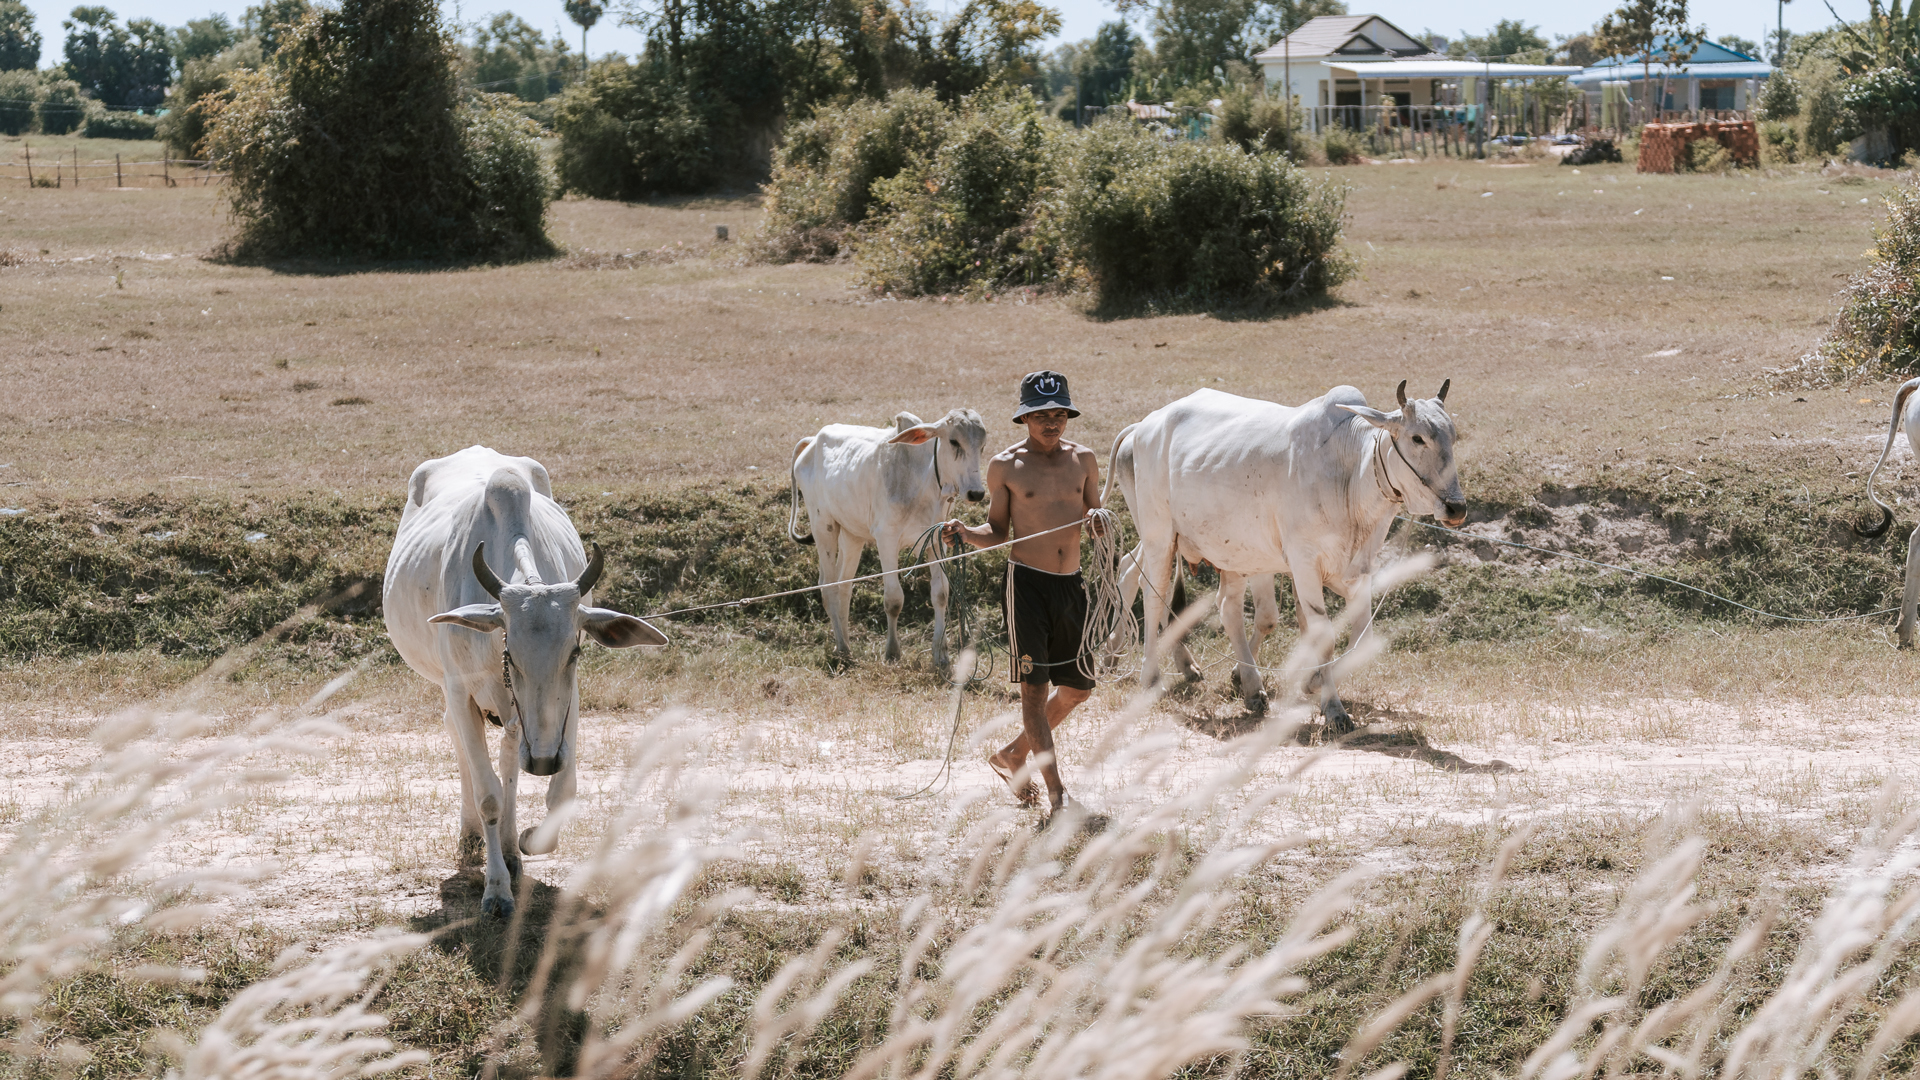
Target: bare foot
[1025,795]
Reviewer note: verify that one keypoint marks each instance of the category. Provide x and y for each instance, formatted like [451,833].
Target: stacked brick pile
[1663,147]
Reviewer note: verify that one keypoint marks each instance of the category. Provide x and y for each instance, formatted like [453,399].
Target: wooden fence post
[117,181]
[29,150]
[76,166]
[164,156]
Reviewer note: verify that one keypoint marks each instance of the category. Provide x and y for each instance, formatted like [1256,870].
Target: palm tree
[585,13]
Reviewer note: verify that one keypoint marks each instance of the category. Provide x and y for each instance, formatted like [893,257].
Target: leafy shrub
[1707,156]
[1779,142]
[1887,100]
[962,218]
[117,125]
[1340,146]
[356,142]
[18,89]
[1147,220]
[60,109]
[825,171]
[1255,122]
[1593,152]
[1824,119]
[1780,97]
[1878,328]
[631,131]
[192,95]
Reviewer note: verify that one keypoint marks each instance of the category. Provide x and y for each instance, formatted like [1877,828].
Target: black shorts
[1046,617]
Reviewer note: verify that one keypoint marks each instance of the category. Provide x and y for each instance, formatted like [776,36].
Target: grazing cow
[1905,402]
[1257,488]
[502,652]
[883,486]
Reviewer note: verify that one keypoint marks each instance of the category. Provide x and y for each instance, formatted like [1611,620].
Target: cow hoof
[498,907]
[1338,722]
[1257,705]
[1906,641]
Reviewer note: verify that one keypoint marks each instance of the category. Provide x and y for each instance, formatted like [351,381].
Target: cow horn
[1401,393]
[1442,395]
[591,574]
[488,580]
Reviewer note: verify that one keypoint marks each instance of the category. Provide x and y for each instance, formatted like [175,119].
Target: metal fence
[67,170]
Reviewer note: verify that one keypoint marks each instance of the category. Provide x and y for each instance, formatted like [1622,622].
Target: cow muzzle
[1456,515]
[976,496]
[543,766]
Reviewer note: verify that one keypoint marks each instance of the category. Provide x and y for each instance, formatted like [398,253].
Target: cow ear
[618,630]
[914,436]
[485,618]
[1372,416]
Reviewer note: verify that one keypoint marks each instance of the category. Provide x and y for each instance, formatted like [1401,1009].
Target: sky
[1080,18]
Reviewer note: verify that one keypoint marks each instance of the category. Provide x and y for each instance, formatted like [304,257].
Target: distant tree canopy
[19,41]
[508,56]
[201,39]
[1509,37]
[358,141]
[272,20]
[123,66]
[720,79]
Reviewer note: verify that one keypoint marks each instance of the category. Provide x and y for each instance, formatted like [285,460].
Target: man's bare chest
[1045,480]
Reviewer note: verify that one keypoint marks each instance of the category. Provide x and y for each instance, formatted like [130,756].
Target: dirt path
[367,830]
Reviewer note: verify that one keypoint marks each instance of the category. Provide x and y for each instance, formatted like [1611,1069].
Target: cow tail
[1113,462]
[1893,428]
[793,491]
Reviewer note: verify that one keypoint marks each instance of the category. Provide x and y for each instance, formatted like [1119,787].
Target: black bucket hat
[1044,390]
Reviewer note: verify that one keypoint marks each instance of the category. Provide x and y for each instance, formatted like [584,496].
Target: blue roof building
[1715,81]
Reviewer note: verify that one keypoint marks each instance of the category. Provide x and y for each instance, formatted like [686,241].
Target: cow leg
[473,843]
[1311,593]
[1233,619]
[826,540]
[939,594]
[1908,599]
[510,801]
[1157,579]
[469,730]
[896,596]
[1266,610]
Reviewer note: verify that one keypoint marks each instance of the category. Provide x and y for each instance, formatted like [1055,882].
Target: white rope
[1106,615]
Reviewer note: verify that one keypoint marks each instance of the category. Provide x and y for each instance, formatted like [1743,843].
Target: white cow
[502,652]
[1905,402]
[883,486]
[1257,488]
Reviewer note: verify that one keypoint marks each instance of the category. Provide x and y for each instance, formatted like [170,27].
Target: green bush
[192,95]
[117,125]
[1823,113]
[356,142]
[18,90]
[1340,146]
[1780,97]
[825,171]
[630,132]
[1878,328]
[963,219]
[1779,142]
[1707,156]
[1255,122]
[1192,223]
[60,108]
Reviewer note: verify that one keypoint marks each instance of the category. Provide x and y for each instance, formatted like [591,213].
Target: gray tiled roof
[1324,35]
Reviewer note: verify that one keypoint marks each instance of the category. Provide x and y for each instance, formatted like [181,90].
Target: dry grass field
[1660,776]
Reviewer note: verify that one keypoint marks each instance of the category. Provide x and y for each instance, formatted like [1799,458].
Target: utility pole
[1780,32]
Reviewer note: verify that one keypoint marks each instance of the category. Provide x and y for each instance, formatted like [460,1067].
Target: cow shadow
[1378,729]
[508,953]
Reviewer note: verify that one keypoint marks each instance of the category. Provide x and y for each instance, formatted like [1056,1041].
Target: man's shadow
[1378,729]
[507,953]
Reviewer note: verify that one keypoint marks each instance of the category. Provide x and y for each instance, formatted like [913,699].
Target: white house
[1715,80]
[1341,66]
[1292,64]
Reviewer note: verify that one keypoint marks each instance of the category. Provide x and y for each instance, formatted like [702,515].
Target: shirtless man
[1040,483]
